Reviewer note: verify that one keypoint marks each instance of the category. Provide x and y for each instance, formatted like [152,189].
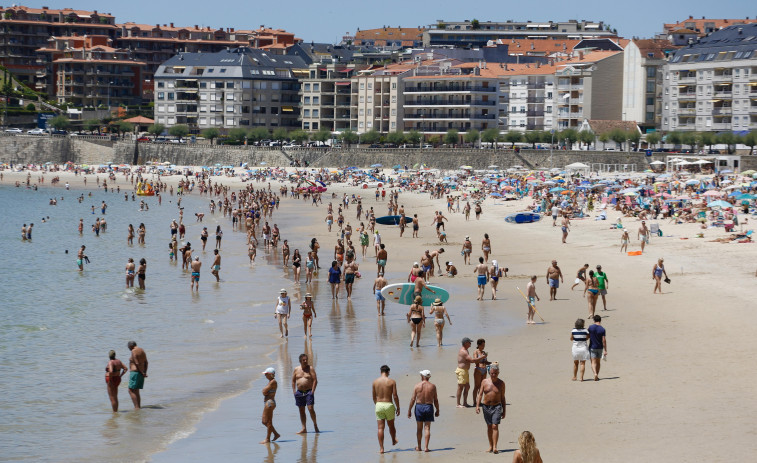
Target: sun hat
[437,301]
[282,290]
[269,371]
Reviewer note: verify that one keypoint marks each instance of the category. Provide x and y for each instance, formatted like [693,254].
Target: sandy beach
[674,386]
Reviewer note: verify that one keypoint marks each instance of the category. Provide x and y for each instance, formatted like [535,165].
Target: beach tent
[656,163]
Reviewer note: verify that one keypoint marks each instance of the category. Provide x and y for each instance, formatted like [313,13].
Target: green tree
[396,137]
[605,138]
[413,137]
[471,136]
[237,135]
[452,137]
[299,136]
[633,137]
[750,140]
[59,123]
[211,134]
[619,136]
[124,127]
[370,137]
[258,133]
[570,136]
[91,125]
[280,134]
[586,137]
[31,107]
[156,130]
[707,139]
[653,138]
[689,138]
[490,136]
[674,138]
[179,131]
[513,137]
[435,140]
[728,139]
[475,25]
[348,137]
[321,136]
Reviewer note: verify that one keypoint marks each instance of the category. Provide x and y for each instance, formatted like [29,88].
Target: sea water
[206,349]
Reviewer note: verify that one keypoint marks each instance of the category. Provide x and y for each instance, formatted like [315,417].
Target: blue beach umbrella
[556,190]
[719,204]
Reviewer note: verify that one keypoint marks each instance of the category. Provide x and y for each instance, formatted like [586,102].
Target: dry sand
[677,385]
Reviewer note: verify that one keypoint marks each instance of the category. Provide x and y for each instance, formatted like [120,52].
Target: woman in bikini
[479,372]
[592,286]
[285,252]
[219,235]
[130,236]
[308,314]
[495,273]
[417,321]
[269,405]
[439,311]
[141,232]
[296,264]
[486,247]
[310,265]
[113,373]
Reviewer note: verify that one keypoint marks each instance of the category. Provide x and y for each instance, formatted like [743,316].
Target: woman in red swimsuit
[113,372]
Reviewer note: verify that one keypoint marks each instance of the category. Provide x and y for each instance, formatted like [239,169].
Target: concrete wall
[607,89]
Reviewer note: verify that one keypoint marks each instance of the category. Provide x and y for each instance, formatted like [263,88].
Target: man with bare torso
[427,264]
[482,276]
[425,400]
[464,361]
[304,382]
[194,279]
[216,267]
[643,234]
[420,283]
[491,397]
[350,271]
[137,372]
[381,257]
[387,405]
[378,285]
[554,277]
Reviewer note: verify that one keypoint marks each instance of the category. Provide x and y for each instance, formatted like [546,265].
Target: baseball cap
[467,339]
[283,290]
[425,373]
[269,370]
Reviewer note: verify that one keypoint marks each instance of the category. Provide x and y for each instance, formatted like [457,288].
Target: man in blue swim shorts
[195,279]
[482,276]
[554,277]
[425,401]
[378,285]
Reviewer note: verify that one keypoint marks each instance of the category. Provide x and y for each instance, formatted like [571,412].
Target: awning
[342,83]
[287,109]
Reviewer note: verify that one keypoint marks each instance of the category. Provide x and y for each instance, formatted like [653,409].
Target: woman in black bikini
[308,314]
[479,372]
[296,263]
[417,321]
[592,286]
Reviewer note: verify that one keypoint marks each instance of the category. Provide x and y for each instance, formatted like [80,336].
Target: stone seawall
[25,149]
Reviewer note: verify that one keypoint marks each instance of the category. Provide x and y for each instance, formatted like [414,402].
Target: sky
[329,20]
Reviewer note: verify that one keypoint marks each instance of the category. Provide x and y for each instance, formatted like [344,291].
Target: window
[170,84]
[306,125]
[170,95]
[369,124]
[229,97]
[362,85]
[369,112]
[394,112]
[203,85]
[203,108]
[229,84]
[274,110]
[230,108]
[394,125]
[307,100]
[316,100]
[394,85]
[223,69]
[306,113]
[370,98]
[316,87]
[361,112]
[360,124]
[650,87]
[161,84]
[246,84]
[315,113]
[203,120]
[161,95]
[394,98]
[315,126]
[362,99]
[370,85]
[275,85]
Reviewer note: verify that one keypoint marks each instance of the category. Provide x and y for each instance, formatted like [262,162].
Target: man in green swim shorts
[387,405]
[137,372]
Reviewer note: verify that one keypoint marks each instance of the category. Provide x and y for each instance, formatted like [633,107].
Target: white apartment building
[711,85]
[377,101]
[326,96]
[527,97]
[643,61]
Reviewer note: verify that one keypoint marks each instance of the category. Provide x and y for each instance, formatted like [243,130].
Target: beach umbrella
[496,195]
[747,196]
[693,182]
[719,204]
[397,167]
[712,193]
[376,165]
[727,171]
[556,190]
[631,193]
[656,163]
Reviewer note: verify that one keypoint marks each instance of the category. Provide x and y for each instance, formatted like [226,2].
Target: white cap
[283,290]
[269,371]
[494,262]
[425,373]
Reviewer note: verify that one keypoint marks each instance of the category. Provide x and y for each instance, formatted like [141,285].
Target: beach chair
[602,216]
[654,228]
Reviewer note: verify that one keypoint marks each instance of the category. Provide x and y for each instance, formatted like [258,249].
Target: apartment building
[704,26]
[441,96]
[88,72]
[589,86]
[643,61]
[24,30]
[326,97]
[242,87]
[711,85]
[377,99]
[528,94]
[478,33]
[393,37]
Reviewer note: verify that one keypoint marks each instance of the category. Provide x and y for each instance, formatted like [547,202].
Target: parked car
[59,132]
[13,130]
[36,132]
[143,139]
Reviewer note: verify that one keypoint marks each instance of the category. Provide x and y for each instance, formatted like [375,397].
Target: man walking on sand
[387,405]
[304,382]
[532,298]
[491,397]
[643,234]
[554,277]
[425,400]
[378,285]
[597,345]
[604,284]
[137,373]
[482,276]
[464,361]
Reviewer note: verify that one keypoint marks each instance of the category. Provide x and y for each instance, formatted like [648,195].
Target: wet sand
[673,388]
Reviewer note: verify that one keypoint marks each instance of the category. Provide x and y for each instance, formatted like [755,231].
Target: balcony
[753,109]
[41,73]
[449,116]
[691,111]
[722,77]
[687,79]
[722,111]
[723,94]
[721,126]
[448,88]
[421,102]
[690,95]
